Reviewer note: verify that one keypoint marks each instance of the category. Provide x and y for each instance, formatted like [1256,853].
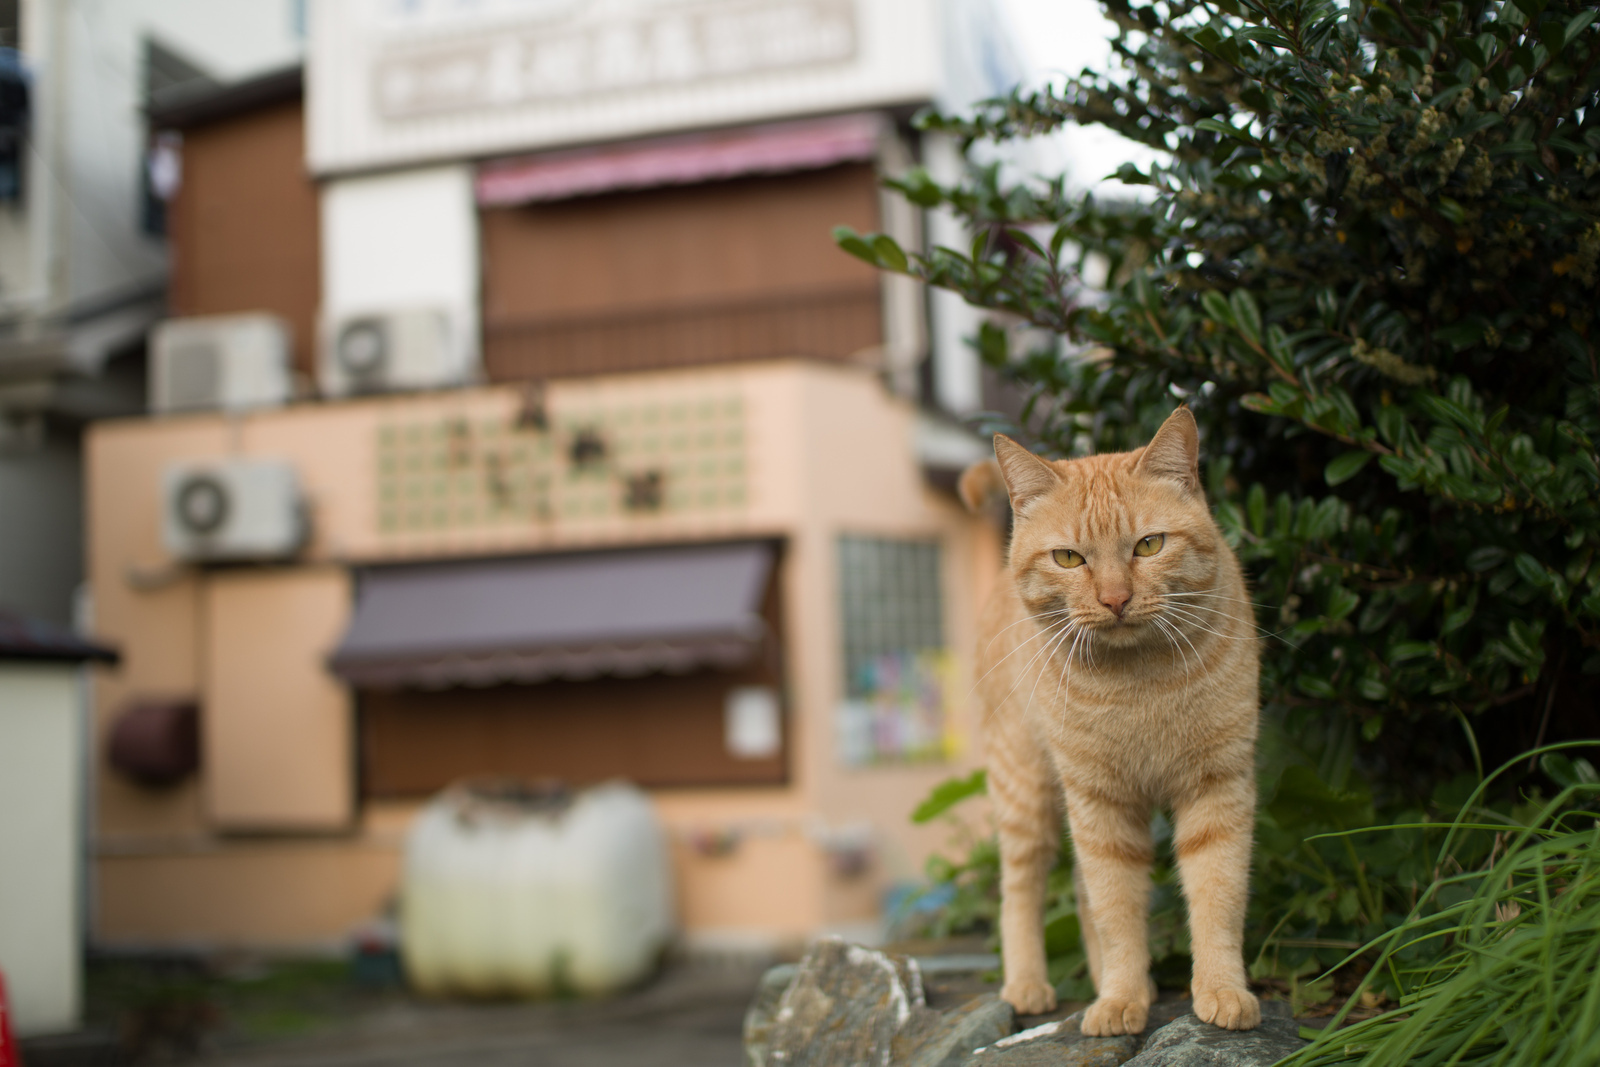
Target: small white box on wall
[753,723]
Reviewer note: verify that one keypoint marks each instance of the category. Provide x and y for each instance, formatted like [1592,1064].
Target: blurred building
[517,416]
[82,261]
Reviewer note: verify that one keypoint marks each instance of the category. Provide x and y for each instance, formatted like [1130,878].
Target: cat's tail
[981,485]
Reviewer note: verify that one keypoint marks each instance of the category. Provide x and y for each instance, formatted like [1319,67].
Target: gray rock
[1062,1044]
[979,1022]
[1188,1042]
[759,1016]
[849,1006]
[845,1008]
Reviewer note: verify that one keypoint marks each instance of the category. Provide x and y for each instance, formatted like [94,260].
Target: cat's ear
[1027,476]
[1173,453]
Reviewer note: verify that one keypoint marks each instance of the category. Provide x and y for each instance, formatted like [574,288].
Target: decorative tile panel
[676,456]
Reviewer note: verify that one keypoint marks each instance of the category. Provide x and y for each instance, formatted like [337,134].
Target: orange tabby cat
[1118,662]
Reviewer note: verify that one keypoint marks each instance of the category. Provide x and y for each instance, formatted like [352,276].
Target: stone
[1188,1042]
[981,1021]
[758,1018]
[849,1006]
[845,1007]
[1062,1044]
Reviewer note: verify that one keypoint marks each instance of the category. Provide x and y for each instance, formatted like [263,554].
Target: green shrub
[1369,263]
[1368,260]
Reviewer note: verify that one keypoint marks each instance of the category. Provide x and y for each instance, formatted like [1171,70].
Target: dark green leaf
[1302,799]
[1342,468]
[890,257]
[1567,771]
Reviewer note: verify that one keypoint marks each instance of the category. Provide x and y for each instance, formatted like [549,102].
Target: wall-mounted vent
[220,363]
[233,510]
[392,351]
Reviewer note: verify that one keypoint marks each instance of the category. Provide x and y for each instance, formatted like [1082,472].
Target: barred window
[895,666]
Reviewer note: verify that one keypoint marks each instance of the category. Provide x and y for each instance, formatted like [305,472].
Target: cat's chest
[1146,735]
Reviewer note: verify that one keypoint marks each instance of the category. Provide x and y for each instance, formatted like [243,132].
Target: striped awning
[684,160]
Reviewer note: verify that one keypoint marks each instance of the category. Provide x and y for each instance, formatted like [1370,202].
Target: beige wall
[278,736]
[265,894]
[828,451]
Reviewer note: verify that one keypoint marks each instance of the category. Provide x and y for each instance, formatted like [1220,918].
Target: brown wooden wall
[658,731]
[243,227]
[743,269]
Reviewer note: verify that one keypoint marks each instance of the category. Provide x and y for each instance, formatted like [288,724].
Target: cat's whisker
[1261,630]
[1172,633]
[1027,618]
[1066,632]
[1216,596]
[1165,630]
[1025,666]
[1186,612]
[1067,673]
[1212,613]
[1190,618]
[1186,640]
[1071,656]
[1043,630]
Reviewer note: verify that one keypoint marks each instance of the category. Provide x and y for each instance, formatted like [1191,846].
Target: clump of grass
[1507,975]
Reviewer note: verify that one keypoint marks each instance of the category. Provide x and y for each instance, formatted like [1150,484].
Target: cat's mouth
[1125,624]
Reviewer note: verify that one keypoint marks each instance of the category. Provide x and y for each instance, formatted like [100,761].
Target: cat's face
[1121,546]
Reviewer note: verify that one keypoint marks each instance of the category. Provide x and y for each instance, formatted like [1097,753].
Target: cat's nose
[1115,599]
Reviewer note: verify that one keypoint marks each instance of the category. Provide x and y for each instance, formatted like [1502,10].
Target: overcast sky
[1059,37]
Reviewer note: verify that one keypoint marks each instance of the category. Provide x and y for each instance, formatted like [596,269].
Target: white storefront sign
[651,49]
[396,82]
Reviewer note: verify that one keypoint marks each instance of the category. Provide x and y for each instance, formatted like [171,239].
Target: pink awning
[700,157]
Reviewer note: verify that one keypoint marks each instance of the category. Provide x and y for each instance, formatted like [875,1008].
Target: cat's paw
[1029,996]
[1109,1016]
[1230,1007]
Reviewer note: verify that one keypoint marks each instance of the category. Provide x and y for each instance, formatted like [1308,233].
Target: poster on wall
[899,714]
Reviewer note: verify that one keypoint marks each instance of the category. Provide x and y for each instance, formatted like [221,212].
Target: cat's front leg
[1213,844]
[1112,853]
[1024,796]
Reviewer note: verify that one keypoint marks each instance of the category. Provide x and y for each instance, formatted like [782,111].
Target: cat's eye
[1067,557]
[1149,546]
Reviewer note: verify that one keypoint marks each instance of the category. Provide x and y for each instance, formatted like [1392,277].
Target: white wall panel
[405,239]
[41,842]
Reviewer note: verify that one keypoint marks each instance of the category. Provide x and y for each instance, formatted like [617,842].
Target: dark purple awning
[529,619]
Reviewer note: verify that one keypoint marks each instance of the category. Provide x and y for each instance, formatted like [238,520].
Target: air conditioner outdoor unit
[233,510]
[393,351]
[220,362]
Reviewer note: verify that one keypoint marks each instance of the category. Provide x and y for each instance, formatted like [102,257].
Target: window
[14,104]
[896,669]
[168,78]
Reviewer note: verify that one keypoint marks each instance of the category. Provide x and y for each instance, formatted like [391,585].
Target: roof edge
[212,104]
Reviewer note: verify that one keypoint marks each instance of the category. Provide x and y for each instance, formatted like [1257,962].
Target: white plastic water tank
[520,893]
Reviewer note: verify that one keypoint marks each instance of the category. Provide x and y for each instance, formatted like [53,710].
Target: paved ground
[692,1014]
